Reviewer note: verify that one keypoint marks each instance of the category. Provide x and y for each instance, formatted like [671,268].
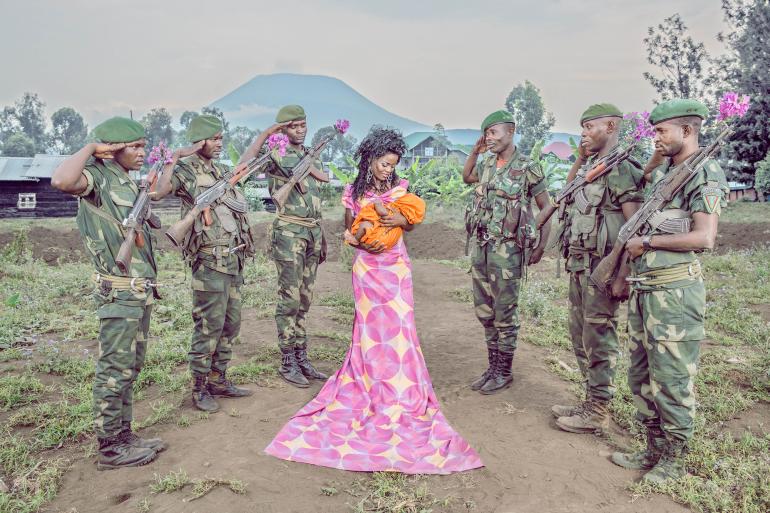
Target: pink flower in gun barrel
[731,106]
[279,141]
[160,153]
[342,125]
[642,127]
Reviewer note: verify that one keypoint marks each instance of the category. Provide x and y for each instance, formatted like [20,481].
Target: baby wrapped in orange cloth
[367,228]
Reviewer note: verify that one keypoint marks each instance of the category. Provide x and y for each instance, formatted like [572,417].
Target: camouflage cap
[203,127]
[600,110]
[290,113]
[678,108]
[119,130]
[497,117]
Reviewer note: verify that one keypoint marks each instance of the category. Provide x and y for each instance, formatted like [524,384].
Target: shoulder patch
[712,198]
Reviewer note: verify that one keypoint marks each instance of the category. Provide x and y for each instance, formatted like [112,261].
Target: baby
[366,227]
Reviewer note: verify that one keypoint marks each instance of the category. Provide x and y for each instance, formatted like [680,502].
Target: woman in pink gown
[378,412]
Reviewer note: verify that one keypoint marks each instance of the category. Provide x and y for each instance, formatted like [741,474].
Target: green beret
[119,130]
[678,108]
[290,113]
[497,117]
[600,110]
[202,127]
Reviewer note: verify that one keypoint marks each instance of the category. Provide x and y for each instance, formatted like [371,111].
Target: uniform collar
[119,172]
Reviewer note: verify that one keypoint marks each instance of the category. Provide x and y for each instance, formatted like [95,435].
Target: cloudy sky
[445,61]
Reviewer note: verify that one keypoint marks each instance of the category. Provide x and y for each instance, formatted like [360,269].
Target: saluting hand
[180,153]
[107,151]
[274,129]
[480,146]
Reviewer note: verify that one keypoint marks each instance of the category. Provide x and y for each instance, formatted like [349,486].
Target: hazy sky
[433,61]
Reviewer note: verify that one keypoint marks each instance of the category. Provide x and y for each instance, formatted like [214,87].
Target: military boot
[201,397]
[670,465]
[646,458]
[132,439]
[310,372]
[492,357]
[289,369]
[501,377]
[559,410]
[593,418]
[114,452]
[218,384]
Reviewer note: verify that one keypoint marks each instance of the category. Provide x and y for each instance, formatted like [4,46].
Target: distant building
[25,188]
[560,149]
[427,146]
[741,191]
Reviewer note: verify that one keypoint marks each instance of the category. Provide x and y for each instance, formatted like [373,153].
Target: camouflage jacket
[106,201]
[229,229]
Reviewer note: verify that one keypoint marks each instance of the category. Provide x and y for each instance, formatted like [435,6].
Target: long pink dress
[378,412]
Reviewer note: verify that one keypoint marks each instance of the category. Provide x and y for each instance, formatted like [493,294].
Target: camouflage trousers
[496,276]
[124,323]
[296,259]
[665,328]
[217,317]
[593,323]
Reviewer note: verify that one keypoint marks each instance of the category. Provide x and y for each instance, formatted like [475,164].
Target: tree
[440,134]
[68,132]
[18,145]
[241,137]
[338,148]
[762,177]
[30,113]
[9,124]
[533,122]
[679,59]
[186,117]
[157,124]
[746,69]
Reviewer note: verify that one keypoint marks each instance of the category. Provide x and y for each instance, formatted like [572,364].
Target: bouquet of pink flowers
[642,129]
[342,126]
[160,153]
[730,106]
[279,141]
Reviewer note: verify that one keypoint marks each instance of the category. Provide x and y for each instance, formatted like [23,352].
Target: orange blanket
[410,206]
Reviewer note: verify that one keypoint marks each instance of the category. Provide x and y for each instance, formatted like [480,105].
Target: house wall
[49,202]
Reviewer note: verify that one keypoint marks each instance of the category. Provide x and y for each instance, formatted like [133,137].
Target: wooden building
[427,146]
[25,188]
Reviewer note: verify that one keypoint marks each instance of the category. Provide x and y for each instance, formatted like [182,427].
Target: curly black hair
[378,142]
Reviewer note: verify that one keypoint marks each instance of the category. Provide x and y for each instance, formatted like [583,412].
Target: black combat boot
[492,353]
[201,397]
[132,439]
[646,458]
[502,376]
[218,384]
[289,369]
[114,452]
[310,372]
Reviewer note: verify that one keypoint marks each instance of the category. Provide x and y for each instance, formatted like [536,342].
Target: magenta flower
[731,106]
[280,141]
[160,153]
[642,127]
[342,125]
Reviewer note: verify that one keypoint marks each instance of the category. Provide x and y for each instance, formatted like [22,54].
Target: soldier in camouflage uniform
[596,213]
[668,299]
[297,243]
[500,221]
[216,253]
[98,175]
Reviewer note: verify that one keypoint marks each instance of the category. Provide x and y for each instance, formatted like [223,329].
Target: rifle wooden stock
[179,230]
[123,260]
[545,214]
[282,194]
[596,172]
[605,271]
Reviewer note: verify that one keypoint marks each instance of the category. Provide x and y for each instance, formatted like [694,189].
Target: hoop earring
[369,177]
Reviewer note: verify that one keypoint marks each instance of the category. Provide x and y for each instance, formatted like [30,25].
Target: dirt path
[531,466]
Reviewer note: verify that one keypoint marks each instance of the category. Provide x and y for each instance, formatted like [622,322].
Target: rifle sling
[103,215]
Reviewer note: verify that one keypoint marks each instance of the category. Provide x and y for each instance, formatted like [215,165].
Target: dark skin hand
[499,140]
[69,178]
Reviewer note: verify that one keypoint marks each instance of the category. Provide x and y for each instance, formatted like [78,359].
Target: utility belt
[688,271]
[483,237]
[108,282]
[220,248]
[307,222]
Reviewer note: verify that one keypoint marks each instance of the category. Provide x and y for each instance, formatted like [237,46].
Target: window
[27,200]
[429,151]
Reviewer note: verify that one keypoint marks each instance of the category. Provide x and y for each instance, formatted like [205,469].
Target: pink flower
[280,141]
[731,106]
[642,129]
[342,125]
[159,153]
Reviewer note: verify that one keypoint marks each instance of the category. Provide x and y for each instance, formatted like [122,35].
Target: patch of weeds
[461,295]
[252,371]
[56,423]
[183,421]
[17,391]
[175,481]
[335,355]
[329,491]
[343,305]
[462,263]
[171,482]
[10,354]
[143,506]
[390,492]
[343,338]
[162,412]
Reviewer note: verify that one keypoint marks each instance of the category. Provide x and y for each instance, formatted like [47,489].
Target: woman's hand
[394,219]
[375,247]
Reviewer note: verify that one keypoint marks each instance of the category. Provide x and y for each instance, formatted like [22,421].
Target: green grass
[175,481]
[16,391]
[390,492]
[746,212]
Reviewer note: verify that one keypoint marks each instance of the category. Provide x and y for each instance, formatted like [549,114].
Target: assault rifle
[661,195]
[301,170]
[140,213]
[602,167]
[207,198]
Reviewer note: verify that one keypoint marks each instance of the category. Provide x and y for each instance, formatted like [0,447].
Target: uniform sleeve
[708,192]
[627,184]
[183,182]
[91,183]
[536,179]
[347,197]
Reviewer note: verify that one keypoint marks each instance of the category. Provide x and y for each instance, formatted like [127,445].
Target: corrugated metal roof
[43,166]
[416,138]
[14,169]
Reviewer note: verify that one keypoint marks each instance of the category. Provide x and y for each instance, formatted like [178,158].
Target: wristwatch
[647,242]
